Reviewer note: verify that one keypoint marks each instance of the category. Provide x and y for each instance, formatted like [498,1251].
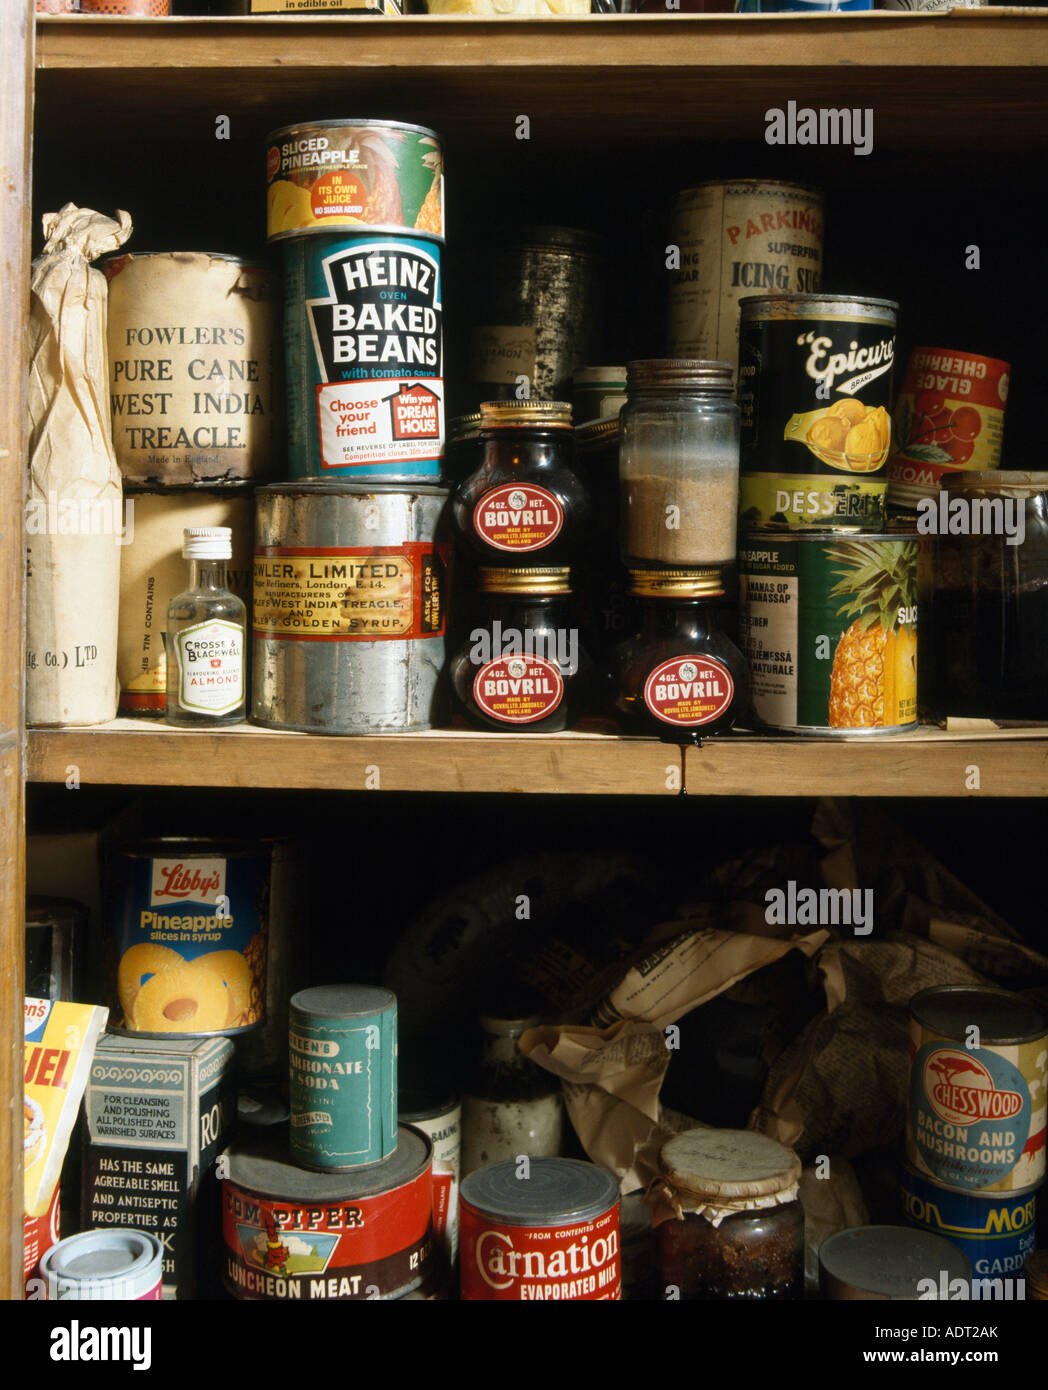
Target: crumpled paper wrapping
[74,510]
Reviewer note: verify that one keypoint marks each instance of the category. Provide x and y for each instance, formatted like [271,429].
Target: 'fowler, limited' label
[518,517]
[689,690]
[518,689]
[210,658]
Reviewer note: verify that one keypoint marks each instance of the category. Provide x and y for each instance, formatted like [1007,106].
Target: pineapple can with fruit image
[354,175]
[828,624]
[815,381]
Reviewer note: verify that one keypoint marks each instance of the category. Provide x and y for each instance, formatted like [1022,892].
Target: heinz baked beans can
[112,1264]
[185,937]
[292,1234]
[549,1233]
[978,1071]
[997,1233]
[343,1089]
[815,382]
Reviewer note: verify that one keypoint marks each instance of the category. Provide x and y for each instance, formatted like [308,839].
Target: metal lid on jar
[680,374]
[537,581]
[729,1164]
[1011,483]
[506,415]
[595,435]
[343,1001]
[1002,1018]
[557,1190]
[107,1264]
[676,583]
[414,1104]
[464,428]
[887,1262]
[500,1027]
[263,1166]
[1035,1272]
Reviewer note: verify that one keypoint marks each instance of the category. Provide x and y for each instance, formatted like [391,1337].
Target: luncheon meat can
[351,175]
[978,1069]
[996,1233]
[553,1237]
[364,349]
[343,1090]
[114,1264]
[814,390]
[290,1234]
[350,591]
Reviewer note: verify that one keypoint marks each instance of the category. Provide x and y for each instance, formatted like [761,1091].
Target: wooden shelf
[968,80]
[930,763]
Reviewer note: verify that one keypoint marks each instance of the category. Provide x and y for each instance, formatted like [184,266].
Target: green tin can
[815,380]
[828,624]
[343,1092]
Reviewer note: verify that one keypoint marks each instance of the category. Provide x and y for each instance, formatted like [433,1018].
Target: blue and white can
[996,1233]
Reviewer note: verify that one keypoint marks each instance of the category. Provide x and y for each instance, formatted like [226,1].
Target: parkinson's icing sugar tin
[978,1071]
[293,1234]
[550,1234]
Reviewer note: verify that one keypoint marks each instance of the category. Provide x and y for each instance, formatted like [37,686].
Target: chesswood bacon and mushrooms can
[975,1119]
[350,591]
[551,1237]
[292,1234]
[354,175]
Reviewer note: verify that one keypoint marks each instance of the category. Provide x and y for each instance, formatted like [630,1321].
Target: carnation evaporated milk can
[978,1071]
[815,382]
[737,237]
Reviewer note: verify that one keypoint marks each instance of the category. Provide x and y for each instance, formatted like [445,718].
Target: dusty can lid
[802,306]
[1035,1272]
[598,434]
[263,1166]
[1002,1018]
[1010,483]
[728,1164]
[414,1105]
[109,1264]
[875,1262]
[343,1001]
[331,487]
[557,1190]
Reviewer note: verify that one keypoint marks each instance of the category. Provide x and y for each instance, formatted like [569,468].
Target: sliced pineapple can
[828,624]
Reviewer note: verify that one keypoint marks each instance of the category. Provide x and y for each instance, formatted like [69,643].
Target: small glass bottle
[512,1106]
[525,504]
[679,464]
[679,678]
[522,666]
[205,637]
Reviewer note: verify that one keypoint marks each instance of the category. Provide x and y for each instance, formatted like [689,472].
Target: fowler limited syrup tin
[292,1234]
[978,1069]
[343,1089]
[116,1264]
[996,1233]
[815,380]
[551,1234]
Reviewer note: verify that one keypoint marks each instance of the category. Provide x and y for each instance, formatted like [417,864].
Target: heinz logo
[199,881]
[961,1090]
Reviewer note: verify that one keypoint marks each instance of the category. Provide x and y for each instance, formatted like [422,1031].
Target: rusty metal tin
[350,591]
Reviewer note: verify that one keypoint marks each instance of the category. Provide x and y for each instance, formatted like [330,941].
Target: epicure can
[364,348]
[343,1091]
[441,1121]
[996,1233]
[345,175]
[551,1237]
[949,418]
[978,1073]
[815,380]
[292,1234]
[190,338]
[186,925]
[115,1264]
[828,624]
[349,606]
[737,237]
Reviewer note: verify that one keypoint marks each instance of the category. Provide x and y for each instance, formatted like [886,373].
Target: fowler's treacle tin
[343,1091]
[978,1074]
[346,175]
[113,1264]
[996,1233]
[186,927]
[364,348]
[350,591]
[828,624]
[292,1234]
[737,237]
[441,1122]
[815,380]
[553,1236]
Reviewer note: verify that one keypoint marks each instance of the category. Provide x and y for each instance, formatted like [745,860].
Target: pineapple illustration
[430,214]
[378,168]
[873,683]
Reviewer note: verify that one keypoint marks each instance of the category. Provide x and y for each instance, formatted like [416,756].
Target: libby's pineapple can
[815,382]
[828,624]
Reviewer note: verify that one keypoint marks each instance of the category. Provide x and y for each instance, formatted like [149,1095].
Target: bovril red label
[689,690]
[518,517]
[540,1264]
[518,689]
